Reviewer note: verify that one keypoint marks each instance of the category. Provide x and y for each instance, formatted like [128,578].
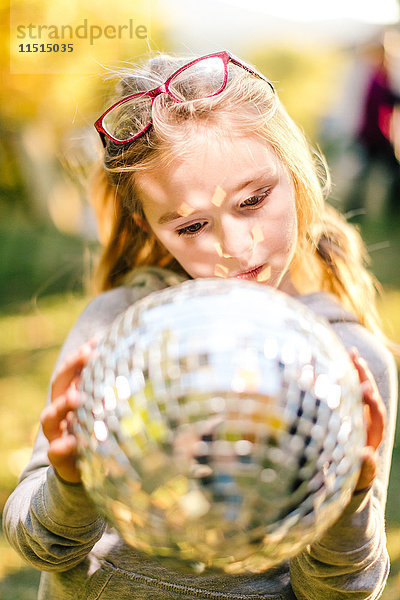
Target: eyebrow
[168,217]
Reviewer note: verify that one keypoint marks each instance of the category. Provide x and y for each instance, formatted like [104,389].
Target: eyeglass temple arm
[102,137]
[252,71]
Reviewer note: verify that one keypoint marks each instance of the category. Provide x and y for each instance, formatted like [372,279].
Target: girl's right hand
[56,417]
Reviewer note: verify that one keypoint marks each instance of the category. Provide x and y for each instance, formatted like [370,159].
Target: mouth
[251,273]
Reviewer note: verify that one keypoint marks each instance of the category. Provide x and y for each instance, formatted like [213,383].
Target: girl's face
[226,210]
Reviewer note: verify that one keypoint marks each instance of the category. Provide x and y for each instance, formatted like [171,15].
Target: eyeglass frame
[226,58]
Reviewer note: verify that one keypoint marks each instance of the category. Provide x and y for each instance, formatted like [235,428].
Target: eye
[256,200]
[192,229]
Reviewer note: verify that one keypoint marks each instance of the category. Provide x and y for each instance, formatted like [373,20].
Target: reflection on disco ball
[221,426]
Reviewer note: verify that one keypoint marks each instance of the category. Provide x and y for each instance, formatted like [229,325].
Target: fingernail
[366,387]
[73,394]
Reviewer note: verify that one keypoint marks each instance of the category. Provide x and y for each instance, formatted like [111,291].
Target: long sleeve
[350,561]
[52,524]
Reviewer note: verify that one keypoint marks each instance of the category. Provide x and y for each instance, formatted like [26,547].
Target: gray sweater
[57,529]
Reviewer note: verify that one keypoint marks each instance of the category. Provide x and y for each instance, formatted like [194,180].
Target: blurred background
[325,59]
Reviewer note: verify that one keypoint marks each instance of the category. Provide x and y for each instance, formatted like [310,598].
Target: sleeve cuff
[355,527]
[68,501]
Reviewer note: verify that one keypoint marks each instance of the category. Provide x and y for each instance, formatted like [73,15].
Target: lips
[251,273]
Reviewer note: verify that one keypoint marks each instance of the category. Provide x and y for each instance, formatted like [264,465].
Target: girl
[205,175]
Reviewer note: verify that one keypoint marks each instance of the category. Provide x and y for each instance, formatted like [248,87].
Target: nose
[235,238]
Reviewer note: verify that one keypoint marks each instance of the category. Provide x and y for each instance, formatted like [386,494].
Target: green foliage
[37,260]
[20,585]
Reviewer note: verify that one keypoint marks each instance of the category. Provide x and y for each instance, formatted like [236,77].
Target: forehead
[209,161]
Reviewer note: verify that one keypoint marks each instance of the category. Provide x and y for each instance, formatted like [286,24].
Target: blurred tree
[48,104]
[47,99]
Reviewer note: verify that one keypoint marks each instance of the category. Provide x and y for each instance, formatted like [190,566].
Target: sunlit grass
[389,310]
[29,346]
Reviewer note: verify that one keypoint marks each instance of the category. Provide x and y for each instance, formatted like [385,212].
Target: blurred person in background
[374,136]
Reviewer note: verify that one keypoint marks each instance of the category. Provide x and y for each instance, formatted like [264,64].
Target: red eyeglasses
[129,118]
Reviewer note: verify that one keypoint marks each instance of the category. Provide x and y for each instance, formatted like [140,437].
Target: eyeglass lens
[200,80]
[128,119]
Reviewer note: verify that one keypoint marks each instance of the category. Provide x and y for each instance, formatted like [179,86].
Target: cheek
[182,247]
[167,238]
[191,256]
[291,228]
[289,222]
[198,259]
[280,227]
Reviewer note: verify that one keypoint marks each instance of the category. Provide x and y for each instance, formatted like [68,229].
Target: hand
[374,416]
[56,417]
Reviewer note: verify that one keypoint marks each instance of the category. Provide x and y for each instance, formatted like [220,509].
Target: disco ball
[221,426]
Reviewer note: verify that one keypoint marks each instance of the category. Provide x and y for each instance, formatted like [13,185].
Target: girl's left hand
[374,416]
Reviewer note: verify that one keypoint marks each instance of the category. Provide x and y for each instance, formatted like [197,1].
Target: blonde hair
[330,255]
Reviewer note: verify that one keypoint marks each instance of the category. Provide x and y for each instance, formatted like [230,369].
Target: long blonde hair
[330,254]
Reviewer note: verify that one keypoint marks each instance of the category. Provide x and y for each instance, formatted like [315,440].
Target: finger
[62,449]
[62,455]
[353,352]
[375,412]
[375,417]
[53,415]
[69,422]
[71,368]
[368,469]
[50,419]
[363,370]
